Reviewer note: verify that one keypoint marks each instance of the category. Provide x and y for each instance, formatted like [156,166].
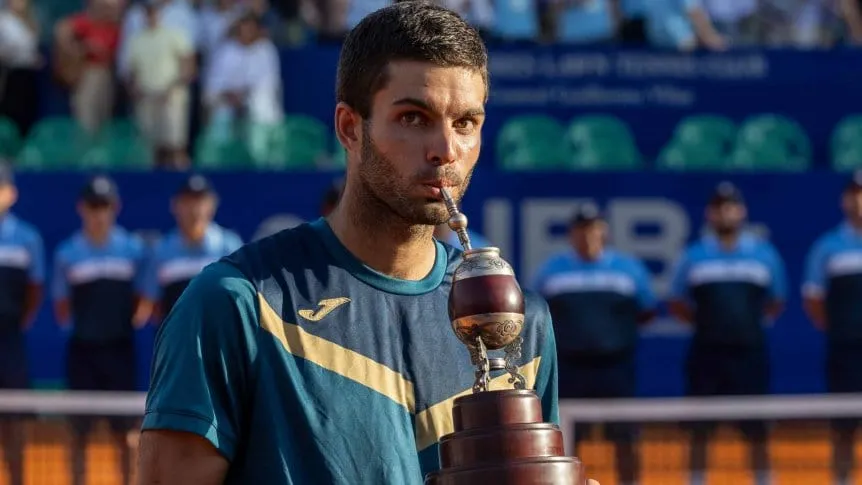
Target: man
[96,299]
[598,297]
[183,253]
[728,285]
[832,293]
[242,88]
[22,273]
[324,353]
[162,65]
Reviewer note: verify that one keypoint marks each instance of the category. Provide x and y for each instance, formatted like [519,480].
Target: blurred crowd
[181,67]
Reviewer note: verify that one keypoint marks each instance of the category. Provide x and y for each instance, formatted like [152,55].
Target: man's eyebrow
[471,112]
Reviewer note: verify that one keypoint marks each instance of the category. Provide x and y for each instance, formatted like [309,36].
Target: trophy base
[500,438]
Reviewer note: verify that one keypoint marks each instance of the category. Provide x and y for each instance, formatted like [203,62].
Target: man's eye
[465,124]
[412,119]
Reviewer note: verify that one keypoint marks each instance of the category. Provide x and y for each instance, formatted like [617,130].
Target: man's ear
[348,124]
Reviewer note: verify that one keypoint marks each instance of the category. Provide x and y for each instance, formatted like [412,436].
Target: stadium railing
[800,448]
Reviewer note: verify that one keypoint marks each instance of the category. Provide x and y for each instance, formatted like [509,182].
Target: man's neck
[729,240]
[97,238]
[195,237]
[385,243]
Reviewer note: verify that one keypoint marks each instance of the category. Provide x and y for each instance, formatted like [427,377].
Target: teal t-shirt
[303,366]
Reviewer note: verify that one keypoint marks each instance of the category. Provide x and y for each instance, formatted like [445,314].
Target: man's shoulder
[290,250]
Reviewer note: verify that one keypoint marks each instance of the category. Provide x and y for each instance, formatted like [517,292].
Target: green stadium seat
[119,153]
[10,138]
[299,142]
[214,154]
[848,159]
[124,128]
[531,142]
[678,156]
[846,143]
[599,142]
[771,143]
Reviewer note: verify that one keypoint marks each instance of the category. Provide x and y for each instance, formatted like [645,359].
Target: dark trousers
[728,371]
[100,366]
[603,376]
[843,375]
[19,96]
[13,375]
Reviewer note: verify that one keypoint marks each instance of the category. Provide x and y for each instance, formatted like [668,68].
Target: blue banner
[650,91]
[651,215]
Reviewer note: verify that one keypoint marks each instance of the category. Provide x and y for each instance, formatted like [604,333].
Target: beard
[727,229]
[387,191]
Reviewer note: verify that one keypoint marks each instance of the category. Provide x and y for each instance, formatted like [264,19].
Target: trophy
[499,435]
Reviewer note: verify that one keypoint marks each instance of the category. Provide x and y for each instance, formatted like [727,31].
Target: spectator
[176,14]
[20,62]
[215,22]
[851,12]
[632,29]
[727,286]
[243,88]
[329,17]
[586,22]
[681,24]
[269,19]
[736,20]
[480,13]
[597,298]
[87,46]
[161,63]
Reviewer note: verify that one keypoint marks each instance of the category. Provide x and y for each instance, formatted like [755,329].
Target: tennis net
[659,433]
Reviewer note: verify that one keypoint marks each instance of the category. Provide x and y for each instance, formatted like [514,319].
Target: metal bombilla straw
[457,220]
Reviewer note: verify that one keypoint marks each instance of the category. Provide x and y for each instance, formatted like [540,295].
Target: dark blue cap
[586,213]
[7,174]
[100,189]
[726,193]
[196,185]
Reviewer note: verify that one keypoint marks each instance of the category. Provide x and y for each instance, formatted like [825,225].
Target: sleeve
[59,284]
[814,277]
[202,358]
[643,286]
[778,286]
[540,277]
[141,263]
[679,278]
[36,248]
[149,280]
[233,243]
[546,377]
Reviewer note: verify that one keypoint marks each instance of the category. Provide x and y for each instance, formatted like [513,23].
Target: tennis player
[324,354]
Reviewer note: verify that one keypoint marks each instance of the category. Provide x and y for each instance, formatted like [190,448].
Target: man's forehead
[459,87]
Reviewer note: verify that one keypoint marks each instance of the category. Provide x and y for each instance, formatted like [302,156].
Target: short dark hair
[405,31]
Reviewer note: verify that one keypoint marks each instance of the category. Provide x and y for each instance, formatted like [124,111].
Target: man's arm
[172,457]
[778,289]
[678,305]
[647,301]
[36,280]
[200,381]
[813,286]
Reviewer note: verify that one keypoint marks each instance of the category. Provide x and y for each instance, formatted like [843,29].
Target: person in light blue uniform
[22,274]
[597,297]
[96,287]
[832,296]
[728,286]
[681,25]
[184,252]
